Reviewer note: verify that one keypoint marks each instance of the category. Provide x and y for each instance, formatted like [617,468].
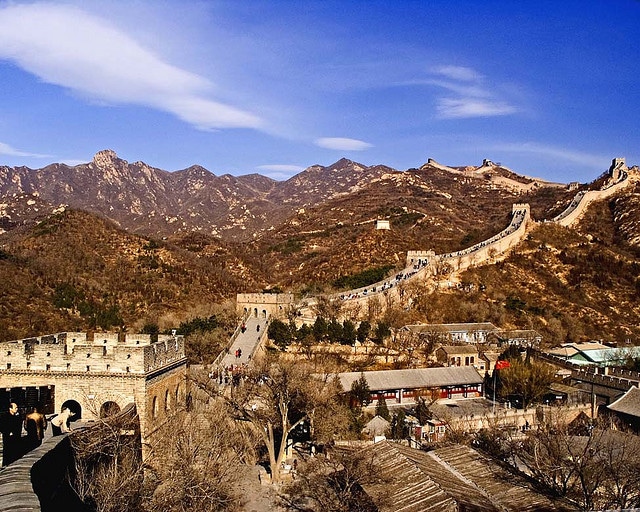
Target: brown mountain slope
[75,270]
[569,284]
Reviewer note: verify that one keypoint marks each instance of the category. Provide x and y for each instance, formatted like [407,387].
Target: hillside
[62,268]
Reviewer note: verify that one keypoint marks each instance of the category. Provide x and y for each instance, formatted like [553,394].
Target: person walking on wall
[35,424]
[11,426]
[60,424]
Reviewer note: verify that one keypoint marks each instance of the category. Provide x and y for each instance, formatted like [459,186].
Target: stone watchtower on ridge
[618,167]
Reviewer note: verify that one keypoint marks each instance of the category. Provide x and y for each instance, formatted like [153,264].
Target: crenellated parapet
[83,352]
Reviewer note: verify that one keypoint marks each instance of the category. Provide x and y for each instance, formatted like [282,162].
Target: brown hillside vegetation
[75,271]
[569,284]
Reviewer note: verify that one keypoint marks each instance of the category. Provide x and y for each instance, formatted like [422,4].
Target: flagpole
[493,409]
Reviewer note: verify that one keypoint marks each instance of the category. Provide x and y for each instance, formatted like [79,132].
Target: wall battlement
[100,352]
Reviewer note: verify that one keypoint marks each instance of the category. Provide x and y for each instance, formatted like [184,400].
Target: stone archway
[109,408]
[74,407]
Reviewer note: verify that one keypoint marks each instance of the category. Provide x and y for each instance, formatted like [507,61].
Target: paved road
[246,342]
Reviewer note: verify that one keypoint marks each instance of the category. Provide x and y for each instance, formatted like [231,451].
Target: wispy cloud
[462,73]
[451,108]
[474,98]
[342,144]
[6,149]
[65,46]
[568,155]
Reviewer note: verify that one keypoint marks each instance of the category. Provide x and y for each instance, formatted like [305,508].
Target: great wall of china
[427,264]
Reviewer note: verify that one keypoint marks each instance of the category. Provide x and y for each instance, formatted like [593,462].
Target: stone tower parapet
[97,372]
[264,305]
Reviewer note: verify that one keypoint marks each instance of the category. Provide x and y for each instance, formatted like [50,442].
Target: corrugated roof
[414,378]
[610,354]
[629,403]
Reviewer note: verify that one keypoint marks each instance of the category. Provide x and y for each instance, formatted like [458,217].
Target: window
[48,367]
[154,407]
[8,366]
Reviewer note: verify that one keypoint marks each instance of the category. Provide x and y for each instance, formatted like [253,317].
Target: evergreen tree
[363,331]
[422,411]
[280,333]
[320,329]
[381,408]
[381,332]
[334,331]
[399,428]
[360,391]
[348,333]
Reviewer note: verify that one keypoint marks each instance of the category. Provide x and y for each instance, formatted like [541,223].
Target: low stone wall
[38,481]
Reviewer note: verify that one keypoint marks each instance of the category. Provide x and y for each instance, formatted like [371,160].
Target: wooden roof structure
[453,478]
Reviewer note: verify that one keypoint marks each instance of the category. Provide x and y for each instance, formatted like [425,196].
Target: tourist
[60,424]
[11,426]
[35,424]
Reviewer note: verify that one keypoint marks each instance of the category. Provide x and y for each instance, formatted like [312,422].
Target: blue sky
[547,88]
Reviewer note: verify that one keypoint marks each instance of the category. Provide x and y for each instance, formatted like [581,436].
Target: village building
[627,409]
[460,355]
[518,337]
[455,333]
[405,386]
[595,354]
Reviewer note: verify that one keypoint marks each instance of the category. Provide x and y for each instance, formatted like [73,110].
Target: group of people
[34,425]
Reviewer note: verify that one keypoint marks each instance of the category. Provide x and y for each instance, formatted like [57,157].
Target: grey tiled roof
[469,327]
[452,478]
[629,403]
[414,378]
[459,349]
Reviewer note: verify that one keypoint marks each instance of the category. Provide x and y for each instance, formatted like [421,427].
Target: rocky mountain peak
[107,158]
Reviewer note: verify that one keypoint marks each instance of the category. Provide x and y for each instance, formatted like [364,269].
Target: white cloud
[6,149]
[458,73]
[342,144]
[576,157]
[453,108]
[473,97]
[65,46]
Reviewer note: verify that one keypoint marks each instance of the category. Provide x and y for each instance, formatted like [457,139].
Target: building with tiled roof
[460,355]
[406,385]
[456,333]
[627,408]
[452,478]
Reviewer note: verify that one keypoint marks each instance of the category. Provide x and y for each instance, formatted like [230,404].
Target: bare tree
[108,463]
[596,467]
[196,459]
[276,396]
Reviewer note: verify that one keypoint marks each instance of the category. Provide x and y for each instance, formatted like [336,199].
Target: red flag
[501,365]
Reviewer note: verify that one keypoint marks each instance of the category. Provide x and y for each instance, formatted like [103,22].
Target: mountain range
[158,245]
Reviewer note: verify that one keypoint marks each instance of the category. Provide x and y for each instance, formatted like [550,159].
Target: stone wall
[584,198]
